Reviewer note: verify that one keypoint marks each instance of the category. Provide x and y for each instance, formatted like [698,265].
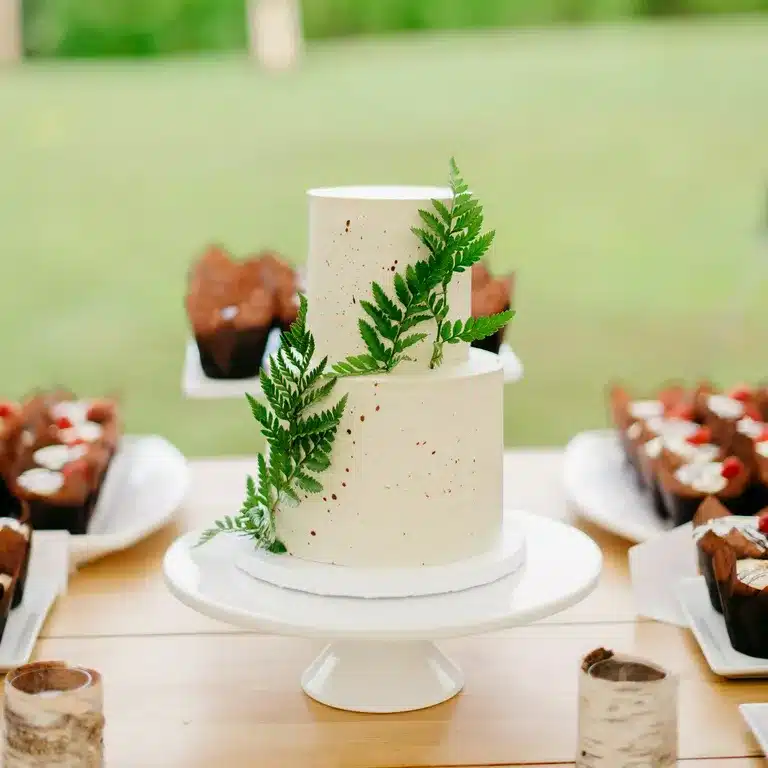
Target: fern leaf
[317,461]
[386,305]
[383,324]
[372,341]
[307,482]
[409,341]
[258,410]
[318,393]
[445,214]
[207,535]
[434,224]
[485,326]
[412,321]
[401,290]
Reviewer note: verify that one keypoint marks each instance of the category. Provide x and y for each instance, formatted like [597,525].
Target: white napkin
[656,567]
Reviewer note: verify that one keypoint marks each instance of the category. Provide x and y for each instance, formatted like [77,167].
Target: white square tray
[709,629]
[46,580]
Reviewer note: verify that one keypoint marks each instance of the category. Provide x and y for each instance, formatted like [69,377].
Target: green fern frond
[300,443]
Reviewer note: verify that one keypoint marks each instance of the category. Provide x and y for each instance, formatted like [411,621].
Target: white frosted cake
[384,426]
[416,466]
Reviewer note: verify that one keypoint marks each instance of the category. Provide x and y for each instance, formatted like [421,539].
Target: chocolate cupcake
[66,447]
[725,413]
[18,520]
[10,420]
[231,313]
[638,421]
[14,553]
[685,485]
[714,524]
[743,588]
[282,280]
[675,442]
[490,295]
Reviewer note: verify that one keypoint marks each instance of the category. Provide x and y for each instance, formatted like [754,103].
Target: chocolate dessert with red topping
[14,557]
[63,452]
[685,444]
[647,425]
[231,312]
[490,295]
[685,484]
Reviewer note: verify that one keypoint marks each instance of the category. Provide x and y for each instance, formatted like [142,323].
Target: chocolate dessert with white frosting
[743,588]
[714,525]
[685,444]
[669,416]
[490,295]
[685,485]
[15,537]
[65,447]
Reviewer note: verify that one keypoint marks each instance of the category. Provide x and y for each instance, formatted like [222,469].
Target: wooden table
[183,690]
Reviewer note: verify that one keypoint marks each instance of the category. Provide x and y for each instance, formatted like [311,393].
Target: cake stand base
[382,657]
[375,676]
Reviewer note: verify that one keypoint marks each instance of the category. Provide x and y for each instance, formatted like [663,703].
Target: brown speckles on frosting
[333,496]
[362,418]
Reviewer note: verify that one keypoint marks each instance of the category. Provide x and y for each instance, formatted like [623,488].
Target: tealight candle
[53,717]
[627,713]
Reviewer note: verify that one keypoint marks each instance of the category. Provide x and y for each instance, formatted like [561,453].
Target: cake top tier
[421,194]
[359,236]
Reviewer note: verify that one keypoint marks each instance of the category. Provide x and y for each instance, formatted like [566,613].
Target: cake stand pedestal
[381,657]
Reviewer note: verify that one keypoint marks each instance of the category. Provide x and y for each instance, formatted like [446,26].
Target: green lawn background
[625,170]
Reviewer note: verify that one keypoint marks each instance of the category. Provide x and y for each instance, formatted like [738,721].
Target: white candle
[53,717]
[627,713]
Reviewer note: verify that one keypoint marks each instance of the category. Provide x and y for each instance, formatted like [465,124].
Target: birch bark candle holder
[53,717]
[627,713]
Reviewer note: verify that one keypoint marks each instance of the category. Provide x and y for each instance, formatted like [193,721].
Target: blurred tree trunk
[274,32]
[10,31]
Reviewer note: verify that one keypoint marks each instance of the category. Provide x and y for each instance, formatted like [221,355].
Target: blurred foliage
[87,28]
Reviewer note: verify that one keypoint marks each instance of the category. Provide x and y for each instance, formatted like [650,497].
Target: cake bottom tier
[416,473]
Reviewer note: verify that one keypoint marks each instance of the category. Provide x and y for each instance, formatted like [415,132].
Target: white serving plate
[756,717]
[46,580]
[195,384]
[146,483]
[709,629]
[603,489]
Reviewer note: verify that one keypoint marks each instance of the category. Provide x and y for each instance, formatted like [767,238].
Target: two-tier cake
[384,427]
[416,470]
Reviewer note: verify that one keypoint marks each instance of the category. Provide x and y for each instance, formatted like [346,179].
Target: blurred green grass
[85,28]
[624,169]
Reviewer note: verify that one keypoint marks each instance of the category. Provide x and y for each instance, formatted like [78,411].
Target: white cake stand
[381,657]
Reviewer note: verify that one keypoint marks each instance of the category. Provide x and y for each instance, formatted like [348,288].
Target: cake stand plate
[381,657]
[603,489]
[195,384]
